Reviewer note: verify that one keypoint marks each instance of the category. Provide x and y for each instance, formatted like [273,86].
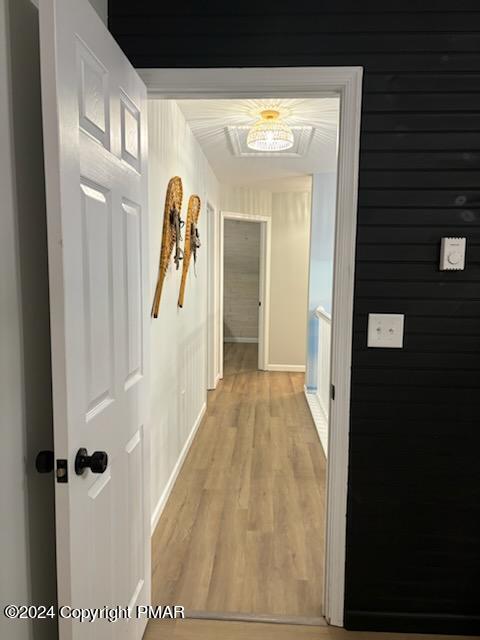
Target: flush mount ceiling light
[270,133]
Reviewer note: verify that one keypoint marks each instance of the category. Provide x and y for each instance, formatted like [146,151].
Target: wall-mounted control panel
[385,330]
[452,254]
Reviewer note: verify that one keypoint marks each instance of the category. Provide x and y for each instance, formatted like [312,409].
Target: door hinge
[332,391]
[62,471]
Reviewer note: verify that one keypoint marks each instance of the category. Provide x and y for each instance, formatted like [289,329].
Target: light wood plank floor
[243,529]
[214,630]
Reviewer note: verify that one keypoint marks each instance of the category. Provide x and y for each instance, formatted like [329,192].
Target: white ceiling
[209,119]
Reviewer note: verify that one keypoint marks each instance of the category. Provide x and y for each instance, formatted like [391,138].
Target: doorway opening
[245,242]
[265,483]
[215,454]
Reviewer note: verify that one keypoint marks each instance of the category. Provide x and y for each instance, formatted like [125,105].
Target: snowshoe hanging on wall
[171,236]
[192,242]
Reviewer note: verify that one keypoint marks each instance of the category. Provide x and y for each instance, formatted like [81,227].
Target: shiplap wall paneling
[241,281]
[413,552]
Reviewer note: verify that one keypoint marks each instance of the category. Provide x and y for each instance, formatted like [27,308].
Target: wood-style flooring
[243,529]
[214,630]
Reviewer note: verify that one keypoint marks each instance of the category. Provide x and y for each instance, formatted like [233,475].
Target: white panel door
[94,111]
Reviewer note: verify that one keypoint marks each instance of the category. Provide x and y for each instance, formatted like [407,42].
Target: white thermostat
[452,254]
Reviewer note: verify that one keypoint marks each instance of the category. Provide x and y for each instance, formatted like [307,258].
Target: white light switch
[385,330]
[452,254]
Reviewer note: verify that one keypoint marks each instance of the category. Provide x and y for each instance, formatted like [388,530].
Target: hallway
[243,529]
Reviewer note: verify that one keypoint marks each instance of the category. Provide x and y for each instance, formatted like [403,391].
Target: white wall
[321,262]
[324,187]
[27,543]
[179,336]
[289,278]
[241,280]
[290,213]
[246,200]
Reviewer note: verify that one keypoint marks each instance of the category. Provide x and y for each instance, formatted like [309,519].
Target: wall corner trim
[159,507]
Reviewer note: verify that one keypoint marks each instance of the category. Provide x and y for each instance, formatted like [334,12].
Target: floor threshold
[230,616]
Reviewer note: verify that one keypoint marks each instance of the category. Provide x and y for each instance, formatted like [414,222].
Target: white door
[94,112]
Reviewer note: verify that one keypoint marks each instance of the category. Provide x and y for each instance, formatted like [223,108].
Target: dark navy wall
[413,556]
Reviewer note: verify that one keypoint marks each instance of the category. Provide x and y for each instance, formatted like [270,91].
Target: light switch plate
[452,254]
[385,330]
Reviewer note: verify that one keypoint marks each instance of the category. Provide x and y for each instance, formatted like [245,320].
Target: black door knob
[45,461]
[97,462]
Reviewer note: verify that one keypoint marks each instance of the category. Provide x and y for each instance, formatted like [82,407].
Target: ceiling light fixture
[270,133]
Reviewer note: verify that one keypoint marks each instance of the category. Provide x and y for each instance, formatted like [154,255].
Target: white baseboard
[319,418]
[249,340]
[157,512]
[285,367]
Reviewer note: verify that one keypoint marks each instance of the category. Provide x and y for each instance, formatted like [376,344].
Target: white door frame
[213,372]
[345,82]
[264,282]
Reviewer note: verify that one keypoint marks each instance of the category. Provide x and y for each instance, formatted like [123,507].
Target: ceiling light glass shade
[270,133]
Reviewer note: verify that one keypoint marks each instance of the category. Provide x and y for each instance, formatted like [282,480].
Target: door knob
[97,462]
[45,461]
